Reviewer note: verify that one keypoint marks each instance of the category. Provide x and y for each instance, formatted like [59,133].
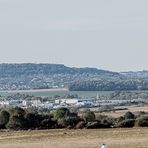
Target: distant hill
[39,76]
[136,75]
[34,76]
[14,70]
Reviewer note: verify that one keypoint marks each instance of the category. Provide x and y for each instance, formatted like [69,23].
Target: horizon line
[72,66]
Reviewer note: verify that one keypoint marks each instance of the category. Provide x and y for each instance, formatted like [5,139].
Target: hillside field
[114,138]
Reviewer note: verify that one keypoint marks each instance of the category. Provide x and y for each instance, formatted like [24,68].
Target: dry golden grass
[114,138]
[133,109]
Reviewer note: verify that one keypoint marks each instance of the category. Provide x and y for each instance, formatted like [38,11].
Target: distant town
[98,103]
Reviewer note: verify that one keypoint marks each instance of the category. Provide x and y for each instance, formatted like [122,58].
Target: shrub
[17,111]
[126,123]
[68,121]
[142,121]
[88,116]
[60,113]
[48,124]
[120,119]
[93,125]
[105,121]
[32,120]
[141,113]
[16,123]
[4,118]
[16,120]
[129,115]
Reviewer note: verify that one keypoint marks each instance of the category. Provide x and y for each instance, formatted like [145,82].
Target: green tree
[16,120]
[16,123]
[129,115]
[4,118]
[61,113]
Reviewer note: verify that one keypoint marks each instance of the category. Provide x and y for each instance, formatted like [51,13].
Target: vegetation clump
[20,119]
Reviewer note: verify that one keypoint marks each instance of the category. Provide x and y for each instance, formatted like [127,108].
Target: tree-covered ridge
[42,76]
[45,69]
[38,76]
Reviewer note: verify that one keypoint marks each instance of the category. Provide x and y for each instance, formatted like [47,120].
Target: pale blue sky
[107,34]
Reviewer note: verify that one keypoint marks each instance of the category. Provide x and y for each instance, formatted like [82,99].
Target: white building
[67,101]
[26,103]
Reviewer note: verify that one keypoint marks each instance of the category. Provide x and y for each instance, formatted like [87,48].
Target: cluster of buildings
[58,103]
[68,102]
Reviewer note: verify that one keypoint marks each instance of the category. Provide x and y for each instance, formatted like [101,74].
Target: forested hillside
[39,76]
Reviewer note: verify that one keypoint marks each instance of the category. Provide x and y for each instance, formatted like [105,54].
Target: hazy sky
[107,34]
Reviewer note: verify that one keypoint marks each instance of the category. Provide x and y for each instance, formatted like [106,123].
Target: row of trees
[19,119]
[109,85]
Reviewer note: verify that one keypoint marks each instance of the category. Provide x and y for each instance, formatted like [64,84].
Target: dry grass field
[114,138]
[133,109]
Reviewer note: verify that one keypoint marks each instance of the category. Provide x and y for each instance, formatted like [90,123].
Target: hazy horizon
[110,35]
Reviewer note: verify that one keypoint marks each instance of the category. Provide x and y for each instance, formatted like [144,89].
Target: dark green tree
[4,119]
[129,115]
[61,113]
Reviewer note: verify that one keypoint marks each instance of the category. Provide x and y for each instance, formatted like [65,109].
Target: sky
[106,34]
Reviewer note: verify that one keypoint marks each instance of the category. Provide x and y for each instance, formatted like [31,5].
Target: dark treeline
[19,119]
[109,85]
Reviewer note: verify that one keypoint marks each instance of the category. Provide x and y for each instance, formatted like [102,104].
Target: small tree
[61,113]
[16,123]
[129,115]
[16,120]
[4,118]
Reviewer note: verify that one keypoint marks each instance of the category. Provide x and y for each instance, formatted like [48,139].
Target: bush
[68,121]
[16,120]
[126,123]
[93,125]
[99,124]
[16,123]
[88,116]
[17,111]
[129,115]
[4,119]
[105,121]
[48,124]
[142,121]
[120,119]
[61,113]
[141,113]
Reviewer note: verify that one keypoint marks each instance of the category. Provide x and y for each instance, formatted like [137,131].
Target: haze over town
[106,34]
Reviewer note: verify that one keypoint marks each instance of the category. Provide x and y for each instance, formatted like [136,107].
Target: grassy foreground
[114,138]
